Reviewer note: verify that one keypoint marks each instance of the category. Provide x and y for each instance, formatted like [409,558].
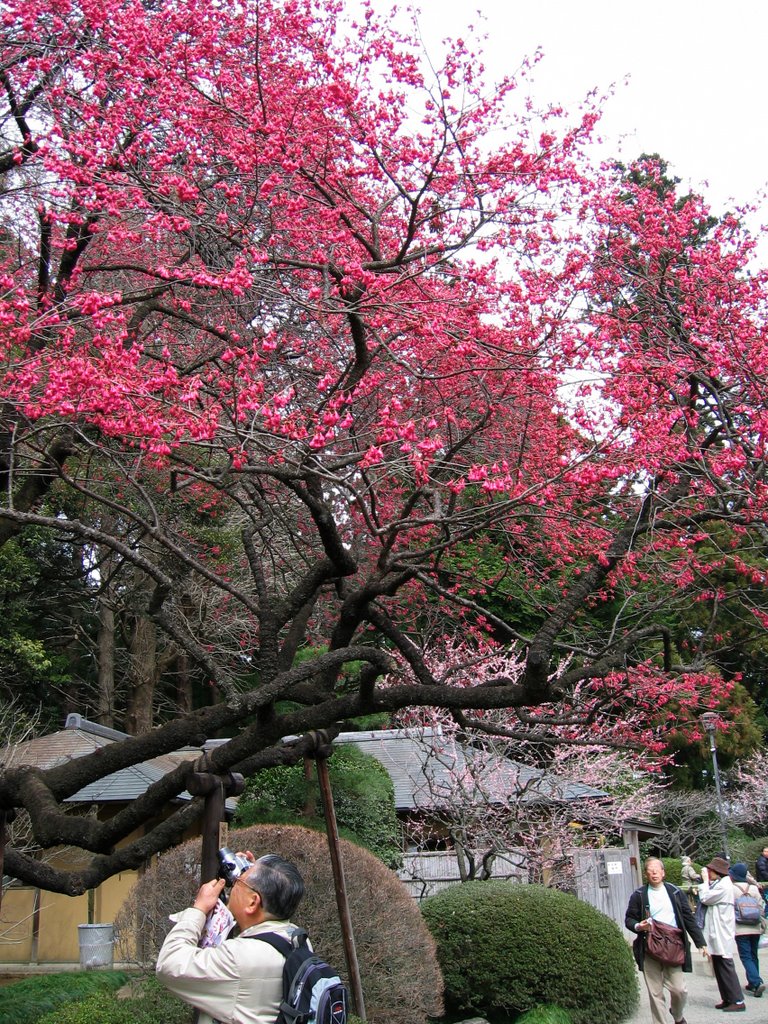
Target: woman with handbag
[661,918]
[716,893]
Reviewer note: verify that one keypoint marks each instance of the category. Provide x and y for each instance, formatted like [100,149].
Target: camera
[231,866]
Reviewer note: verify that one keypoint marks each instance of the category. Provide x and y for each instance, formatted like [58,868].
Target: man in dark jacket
[659,900]
[761,866]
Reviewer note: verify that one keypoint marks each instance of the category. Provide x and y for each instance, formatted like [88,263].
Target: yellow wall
[16,925]
[56,934]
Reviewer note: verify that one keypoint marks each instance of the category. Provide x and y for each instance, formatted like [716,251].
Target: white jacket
[720,920]
[239,981]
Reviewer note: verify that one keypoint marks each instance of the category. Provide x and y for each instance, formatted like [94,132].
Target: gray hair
[279,884]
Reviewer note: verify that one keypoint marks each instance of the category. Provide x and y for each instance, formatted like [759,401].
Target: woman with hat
[748,934]
[716,893]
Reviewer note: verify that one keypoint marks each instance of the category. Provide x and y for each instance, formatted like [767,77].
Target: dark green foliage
[673,867]
[363,797]
[545,1015]
[506,948]
[33,640]
[146,1003]
[749,851]
[27,1001]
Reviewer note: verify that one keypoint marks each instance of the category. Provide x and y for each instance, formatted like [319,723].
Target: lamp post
[708,720]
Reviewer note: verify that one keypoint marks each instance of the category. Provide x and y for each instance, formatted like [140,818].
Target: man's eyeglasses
[241,881]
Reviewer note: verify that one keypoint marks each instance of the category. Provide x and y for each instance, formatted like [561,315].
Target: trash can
[97,945]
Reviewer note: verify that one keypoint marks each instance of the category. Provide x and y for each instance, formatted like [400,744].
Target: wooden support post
[215,789]
[347,935]
[3,815]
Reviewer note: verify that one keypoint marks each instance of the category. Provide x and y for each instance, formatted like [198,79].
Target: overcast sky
[696,75]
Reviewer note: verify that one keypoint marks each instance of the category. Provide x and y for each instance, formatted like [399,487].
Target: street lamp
[708,720]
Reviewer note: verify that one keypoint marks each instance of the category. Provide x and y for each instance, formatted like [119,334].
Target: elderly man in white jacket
[716,893]
[237,981]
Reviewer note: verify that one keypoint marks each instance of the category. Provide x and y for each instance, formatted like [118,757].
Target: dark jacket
[761,869]
[638,910]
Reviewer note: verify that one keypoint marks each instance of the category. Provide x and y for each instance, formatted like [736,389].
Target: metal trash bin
[97,945]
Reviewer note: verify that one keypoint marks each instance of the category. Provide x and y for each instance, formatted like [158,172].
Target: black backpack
[312,990]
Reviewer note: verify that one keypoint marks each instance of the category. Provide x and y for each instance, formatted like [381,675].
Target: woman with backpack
[750,921]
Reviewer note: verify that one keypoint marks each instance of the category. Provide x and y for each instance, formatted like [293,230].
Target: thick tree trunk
[142,676]
[105,697]
[183,684]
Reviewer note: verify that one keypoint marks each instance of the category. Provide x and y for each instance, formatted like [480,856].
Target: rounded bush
[151,1005]
[398,964]
[363,796]
[505,948]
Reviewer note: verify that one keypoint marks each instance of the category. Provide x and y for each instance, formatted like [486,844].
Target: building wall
[39,927]
[50,935]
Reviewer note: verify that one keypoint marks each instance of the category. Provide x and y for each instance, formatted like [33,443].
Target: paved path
[703,994]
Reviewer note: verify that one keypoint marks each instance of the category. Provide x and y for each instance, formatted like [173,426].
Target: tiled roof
[424,764]
[80,737]
[421,763]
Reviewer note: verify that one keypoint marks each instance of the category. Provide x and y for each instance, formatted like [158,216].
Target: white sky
[696,76]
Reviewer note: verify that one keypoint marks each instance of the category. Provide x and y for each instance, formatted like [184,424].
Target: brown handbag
[665,944]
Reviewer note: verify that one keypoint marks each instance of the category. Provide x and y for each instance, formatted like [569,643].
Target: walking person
[717,894]
[761,866]
[748,934]
[661,901]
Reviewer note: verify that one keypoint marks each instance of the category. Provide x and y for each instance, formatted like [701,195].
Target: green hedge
[363,797]
[750,851]
[545,1015]
[506,948]
[148,1003]
[673,868]
[26,1001]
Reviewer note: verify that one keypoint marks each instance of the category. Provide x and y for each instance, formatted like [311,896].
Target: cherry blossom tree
[748,792]
[289,316]
[494,786]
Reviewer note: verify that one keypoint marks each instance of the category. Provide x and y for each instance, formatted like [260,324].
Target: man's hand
[208,895]
[644,926]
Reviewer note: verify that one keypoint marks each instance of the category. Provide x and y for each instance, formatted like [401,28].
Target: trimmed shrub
[505,948]
[545,1015]
[673,868]
[363,798]
[148,1003]
[743,847]
[396,952]
[750,851]
[25,1001]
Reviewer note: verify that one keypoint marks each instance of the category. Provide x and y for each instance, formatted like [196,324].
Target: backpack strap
[278,942]
[283,945]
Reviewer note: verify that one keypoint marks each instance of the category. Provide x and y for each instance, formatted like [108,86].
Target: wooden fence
[426,873]
[603,878]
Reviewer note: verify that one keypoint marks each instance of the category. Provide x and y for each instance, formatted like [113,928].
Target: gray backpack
[749,909]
